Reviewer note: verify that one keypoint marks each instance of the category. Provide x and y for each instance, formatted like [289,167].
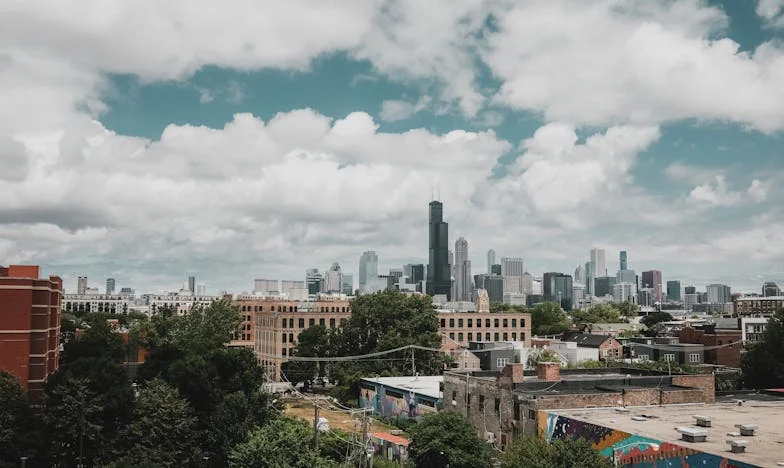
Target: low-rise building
[464,327]
[571,352]
[507,405]
[179,303]
[608,347]
[753,328]
[724,345]
[757,305]
[409,397]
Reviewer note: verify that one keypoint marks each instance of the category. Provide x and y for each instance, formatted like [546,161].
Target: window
[322,322]
[291,323]
[284,352]
[443,323]
[505,337]
[460,323]
[694,357]
[495,336]
[460,337]
[487,336]
[454,396]
[470,323]
[497,405]
[487,323]
[495,323]
[481,403]
[470,336]
[311,322]
[514,336]
[505,322]
[531,414]
[669,357]
[516,410]
[514,323]
[451,323]
[283,323]
[478,323]
[502,362]
[451,336]
[522,323]
[522,336]
[291,337]
[301,323]
[331,323]
[283,338]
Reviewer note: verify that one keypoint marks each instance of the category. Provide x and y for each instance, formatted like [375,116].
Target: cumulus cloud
[393,110]
[772,12]
[717,193]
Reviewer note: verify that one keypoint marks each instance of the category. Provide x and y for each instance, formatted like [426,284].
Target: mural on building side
[392,405]
[630,449]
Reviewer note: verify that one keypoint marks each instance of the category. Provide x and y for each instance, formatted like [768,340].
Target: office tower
[452,275]
[347,284]
[770,289]
[578,294]
[624,292]
[598,258]
[315,281]
[626,276]
[653,279]
[719,294]
[674,291]
[438,268]
[623,263]
[294,290]
[645,297]
[333,279]
[368,272]
[495,269]
[192,284]
[512,266]
[266,286]
[461,257]
[579,274]
[490,260]
[29,327]
[527,283]
[689,299]
[493,284]
[690,290]
[589,276]
[201,290]
[557,287]
[81,285]
[603,286]
[109,286]
[513,284]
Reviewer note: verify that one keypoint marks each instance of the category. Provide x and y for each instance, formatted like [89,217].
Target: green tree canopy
[548,319]
[283,443]
[654,318]
[163,432]
[448,438]
[15,421]
[627,309]
[315,341]
[597,313]
[533,452]
[74,416]
[763,362]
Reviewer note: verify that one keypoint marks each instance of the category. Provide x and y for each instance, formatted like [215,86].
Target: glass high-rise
[439,277]
[557,287]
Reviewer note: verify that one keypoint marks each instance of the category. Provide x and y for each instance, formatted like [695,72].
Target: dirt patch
[303,409]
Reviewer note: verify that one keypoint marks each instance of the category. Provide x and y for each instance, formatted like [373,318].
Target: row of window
[324,309]
[496,336]
[495,323]
[289,323]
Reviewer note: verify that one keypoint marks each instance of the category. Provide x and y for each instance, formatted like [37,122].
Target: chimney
[548,371]
[511,374]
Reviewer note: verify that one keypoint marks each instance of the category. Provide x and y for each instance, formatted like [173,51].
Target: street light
[616,460]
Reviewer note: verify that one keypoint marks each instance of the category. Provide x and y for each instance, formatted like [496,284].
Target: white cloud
[716,193]
[772,12]
[641,62]
[394,110]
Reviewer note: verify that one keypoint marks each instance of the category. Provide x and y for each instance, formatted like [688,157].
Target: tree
[542,355]
[533,452]
[763,362]
[233,419]
[597,313]
[312,342]
[548,319]
[627,309]
[74,417]
[448,438]
[163,432]
[654,318]
[282,443]
[14,421]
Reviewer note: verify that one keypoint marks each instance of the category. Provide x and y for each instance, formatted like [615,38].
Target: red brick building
[29,326]
[730,340]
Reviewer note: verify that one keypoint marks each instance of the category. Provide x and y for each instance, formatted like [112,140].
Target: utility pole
[363,457]
[315,424]
[413,363]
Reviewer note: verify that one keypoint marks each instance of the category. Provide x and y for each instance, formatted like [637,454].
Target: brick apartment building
[757,305]
[464,327]
[29,326]
[708,335]
[506,405]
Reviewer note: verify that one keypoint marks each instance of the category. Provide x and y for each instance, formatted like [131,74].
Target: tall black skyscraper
[439,277]
[624,264]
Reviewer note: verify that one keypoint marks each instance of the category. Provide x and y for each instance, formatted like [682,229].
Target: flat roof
[766,447]
[427,385]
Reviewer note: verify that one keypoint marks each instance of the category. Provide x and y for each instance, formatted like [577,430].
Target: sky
[148,141]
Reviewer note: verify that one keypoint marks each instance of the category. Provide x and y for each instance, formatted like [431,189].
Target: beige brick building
[463,327]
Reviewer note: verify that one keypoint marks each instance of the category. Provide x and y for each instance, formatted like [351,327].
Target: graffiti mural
[392,403]
[630,449]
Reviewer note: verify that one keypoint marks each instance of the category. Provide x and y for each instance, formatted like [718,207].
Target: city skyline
[326,131]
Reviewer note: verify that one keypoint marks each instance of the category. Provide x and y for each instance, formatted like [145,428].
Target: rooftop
[766,447]
[427,385]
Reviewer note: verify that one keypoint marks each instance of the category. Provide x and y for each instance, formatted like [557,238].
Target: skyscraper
[109,286]
[490,260]
[192,284]
[653,279]
[719,294]
[771,289]
[347,284]
[589,276]
[512,266]
[557,287]
[598,258]
[673,290]
[333,279]
[438,269]
[314,281]
[463,280]
[690,290]
[579,274]
[81,285]
[368,272]
[495,269]
[623,265]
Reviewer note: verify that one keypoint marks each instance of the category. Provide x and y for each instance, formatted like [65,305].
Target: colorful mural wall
[630,450]
[394,403]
